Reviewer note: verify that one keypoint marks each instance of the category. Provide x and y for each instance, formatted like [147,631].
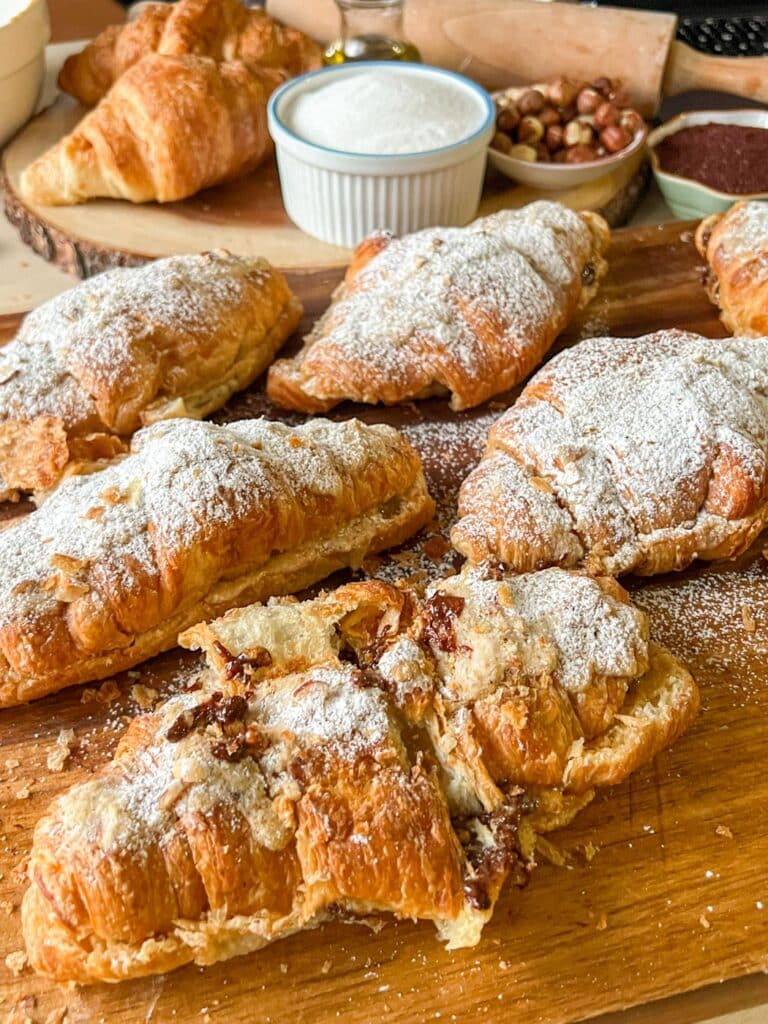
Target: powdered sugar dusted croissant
[129,347]
[735,246]
[197,519]
[626,455]
[220,29]
[288,790]
[466,312]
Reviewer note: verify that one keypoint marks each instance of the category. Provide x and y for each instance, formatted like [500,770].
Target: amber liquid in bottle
[371,30]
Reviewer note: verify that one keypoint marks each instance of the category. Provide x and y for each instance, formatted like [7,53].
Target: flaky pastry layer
[374,750]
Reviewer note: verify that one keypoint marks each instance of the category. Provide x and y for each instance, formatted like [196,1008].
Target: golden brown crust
[135,144]
[462,311]
[626,455]
[130,347]
[220,29]
[198,519]
[735,247]
[288,789]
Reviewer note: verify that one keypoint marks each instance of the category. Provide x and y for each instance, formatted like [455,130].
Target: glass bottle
[371,30]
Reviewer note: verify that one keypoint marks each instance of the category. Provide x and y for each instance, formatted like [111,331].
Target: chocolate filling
[489,864]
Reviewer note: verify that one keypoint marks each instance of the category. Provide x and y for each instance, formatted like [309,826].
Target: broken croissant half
[372,750]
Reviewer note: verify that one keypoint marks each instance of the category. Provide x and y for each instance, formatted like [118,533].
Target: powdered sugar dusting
[628,433]
[112,332]
[552,621]
[418,314]
[748,230]
[329,705]
[113,537]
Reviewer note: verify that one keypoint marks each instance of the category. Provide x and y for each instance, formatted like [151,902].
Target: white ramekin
[24,32]
[342,197]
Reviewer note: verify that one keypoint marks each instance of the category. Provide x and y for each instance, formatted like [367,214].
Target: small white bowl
[689,199]
[342,197]
[559,176]
[24,33]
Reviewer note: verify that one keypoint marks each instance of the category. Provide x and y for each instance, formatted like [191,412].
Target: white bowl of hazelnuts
[563,133]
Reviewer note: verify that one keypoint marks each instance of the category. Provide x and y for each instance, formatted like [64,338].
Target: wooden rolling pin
[514,42]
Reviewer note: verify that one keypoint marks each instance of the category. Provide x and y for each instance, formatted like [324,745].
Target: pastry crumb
[283,968]
[704,921]
[59,753]
[326,967]
[436,547]
[724,831]
[108,692]
[145,696]
[748,619]
[12,763]
[23,793]
[16,961]
[602,923]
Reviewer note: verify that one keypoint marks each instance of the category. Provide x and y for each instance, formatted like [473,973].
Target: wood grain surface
[664,887]
[246,216]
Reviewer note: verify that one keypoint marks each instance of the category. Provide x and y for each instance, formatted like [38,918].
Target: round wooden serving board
[245,216]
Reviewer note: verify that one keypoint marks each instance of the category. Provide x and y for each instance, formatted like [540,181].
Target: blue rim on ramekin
[417,69]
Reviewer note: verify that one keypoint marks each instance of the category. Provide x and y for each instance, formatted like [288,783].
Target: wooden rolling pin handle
[688,69]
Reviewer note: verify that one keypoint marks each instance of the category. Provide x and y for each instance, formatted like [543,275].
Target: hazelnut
[560,156]
[619,96]
[507,119]
[527,153]
[631,121]
[606,114]
[530,130]
[602,85]
[542,154]
[580,154]
[614,138]
[588,101]
[548,116]
[562,91]
[568,113]
[530,102]
[501,142]
[555,137]
[577,134]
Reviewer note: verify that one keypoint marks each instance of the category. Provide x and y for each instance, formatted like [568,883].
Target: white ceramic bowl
[560,176]
[690,199]
[341,197]
[24,33]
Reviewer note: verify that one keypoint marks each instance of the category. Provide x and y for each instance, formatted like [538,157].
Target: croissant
[197,519]
[626,455]
[735,247]
[372,750]
[169,127]
[220,29]
[462,311]
[126,348]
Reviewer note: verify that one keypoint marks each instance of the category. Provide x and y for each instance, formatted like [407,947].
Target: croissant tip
[41,183]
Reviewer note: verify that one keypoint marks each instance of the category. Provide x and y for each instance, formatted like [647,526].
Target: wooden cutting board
[246,216]
[665,887]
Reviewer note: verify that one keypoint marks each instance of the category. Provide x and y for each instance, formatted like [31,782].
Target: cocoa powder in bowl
[727,157]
